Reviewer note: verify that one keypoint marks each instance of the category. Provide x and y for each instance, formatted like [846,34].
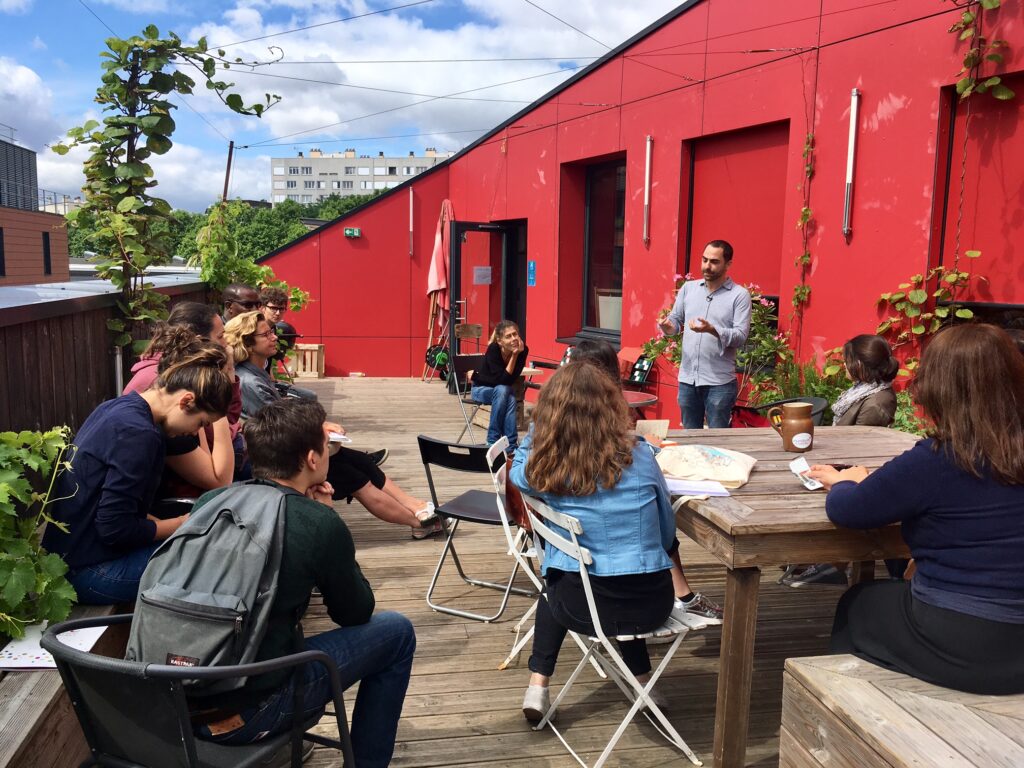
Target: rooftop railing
[30,197]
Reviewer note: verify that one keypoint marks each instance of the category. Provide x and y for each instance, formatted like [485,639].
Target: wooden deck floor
[460,709]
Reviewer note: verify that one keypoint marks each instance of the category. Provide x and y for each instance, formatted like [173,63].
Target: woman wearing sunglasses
[352,474]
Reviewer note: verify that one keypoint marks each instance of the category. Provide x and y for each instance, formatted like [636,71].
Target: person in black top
[102,526]
[493,383]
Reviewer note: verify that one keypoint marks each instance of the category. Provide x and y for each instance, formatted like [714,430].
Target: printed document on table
[27,654]
[678,487]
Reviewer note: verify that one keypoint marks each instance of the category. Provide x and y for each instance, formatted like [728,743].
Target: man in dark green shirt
[288,446]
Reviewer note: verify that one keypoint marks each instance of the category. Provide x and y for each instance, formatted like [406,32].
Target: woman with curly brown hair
[959,496]
[582,459]
[351,474]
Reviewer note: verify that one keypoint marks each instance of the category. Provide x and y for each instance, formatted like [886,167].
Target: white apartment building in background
[309,179]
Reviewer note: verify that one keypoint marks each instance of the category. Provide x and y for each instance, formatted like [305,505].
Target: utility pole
[227,171]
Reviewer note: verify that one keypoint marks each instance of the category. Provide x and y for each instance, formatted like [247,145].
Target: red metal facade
[728,89]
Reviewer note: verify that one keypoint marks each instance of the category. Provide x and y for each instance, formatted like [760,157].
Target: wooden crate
[308,361]
[843,712]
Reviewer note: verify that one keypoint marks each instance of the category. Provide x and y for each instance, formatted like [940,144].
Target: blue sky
[49,69]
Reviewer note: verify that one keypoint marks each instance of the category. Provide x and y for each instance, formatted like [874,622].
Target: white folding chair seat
[599,646]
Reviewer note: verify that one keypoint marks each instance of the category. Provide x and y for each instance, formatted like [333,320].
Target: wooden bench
[38,728]
[842,712]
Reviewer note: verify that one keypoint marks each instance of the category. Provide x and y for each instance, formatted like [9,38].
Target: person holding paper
[714,318]
[958,495]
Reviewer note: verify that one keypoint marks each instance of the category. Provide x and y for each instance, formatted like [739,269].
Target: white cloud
[15,6]
[38,44]
[26,104]
[137,6]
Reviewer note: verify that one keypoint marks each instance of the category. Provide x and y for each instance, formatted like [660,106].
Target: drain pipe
[118,370]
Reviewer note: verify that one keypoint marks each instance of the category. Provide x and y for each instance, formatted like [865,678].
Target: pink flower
[688,276]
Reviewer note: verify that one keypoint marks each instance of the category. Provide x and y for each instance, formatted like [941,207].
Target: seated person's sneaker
[697,613]
[430,523]
[536,702]
[283,757]
[818,573]
[378,457]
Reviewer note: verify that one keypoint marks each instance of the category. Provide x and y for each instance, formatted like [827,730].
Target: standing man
[239,298]
[714,316]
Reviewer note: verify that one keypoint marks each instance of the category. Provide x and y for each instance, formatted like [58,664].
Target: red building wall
[728,90]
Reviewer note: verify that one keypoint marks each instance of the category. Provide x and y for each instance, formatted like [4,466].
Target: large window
[602,255]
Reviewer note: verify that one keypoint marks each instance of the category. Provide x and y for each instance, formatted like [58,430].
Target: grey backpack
[206,594]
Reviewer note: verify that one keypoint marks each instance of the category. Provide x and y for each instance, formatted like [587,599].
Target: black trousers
[626,605]
[349,470]
[882,622]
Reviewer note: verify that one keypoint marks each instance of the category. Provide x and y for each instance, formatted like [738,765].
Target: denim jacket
[628,528]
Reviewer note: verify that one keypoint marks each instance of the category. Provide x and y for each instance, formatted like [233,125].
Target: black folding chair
[473,506]
[459,368]
[136,714]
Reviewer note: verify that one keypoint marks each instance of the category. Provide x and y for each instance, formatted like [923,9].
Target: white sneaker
[694,619]
[536,702]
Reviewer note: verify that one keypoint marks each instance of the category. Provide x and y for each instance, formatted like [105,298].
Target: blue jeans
[377,655]
[714,400]
[115,581]
[503,412]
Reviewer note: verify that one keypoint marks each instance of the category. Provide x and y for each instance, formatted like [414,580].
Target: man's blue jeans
[115,581]
[377,655]
[714,400]
[502,400]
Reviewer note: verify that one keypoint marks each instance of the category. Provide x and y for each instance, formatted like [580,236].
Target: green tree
[221,260]
[132,227]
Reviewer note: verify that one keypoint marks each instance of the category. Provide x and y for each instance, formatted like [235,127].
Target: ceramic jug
[794,422]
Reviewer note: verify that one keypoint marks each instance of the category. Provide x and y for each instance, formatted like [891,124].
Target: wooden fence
[58,362]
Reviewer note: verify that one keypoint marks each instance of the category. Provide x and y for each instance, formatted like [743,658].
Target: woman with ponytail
[103,527]
[870,402]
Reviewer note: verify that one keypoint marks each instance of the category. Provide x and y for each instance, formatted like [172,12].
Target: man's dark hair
[724,245]
[599,353]
[281,434]
[235,290]
[274,296]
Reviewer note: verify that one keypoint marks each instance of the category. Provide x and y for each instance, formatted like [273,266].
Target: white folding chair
[520,547]
[599,645]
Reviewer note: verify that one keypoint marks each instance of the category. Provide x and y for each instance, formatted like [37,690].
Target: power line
[415,103]
[101,21]
[402,93]
[203,118]
[563,21]
[323,23]
[437,61]
[372,138]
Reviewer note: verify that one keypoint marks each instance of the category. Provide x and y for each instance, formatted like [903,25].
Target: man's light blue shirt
[628,529]
[708,360]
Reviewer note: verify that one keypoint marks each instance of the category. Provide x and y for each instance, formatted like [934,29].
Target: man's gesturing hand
[700,325]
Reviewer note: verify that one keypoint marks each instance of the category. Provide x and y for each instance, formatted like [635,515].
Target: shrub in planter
[32,583]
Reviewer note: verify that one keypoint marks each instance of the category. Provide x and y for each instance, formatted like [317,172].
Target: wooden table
[772,521]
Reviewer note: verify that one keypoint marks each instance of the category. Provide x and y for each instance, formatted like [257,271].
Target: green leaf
[158,144]
[898,296]
[918,296]
[912,311]
[151,32]
[942,311]
[1003,93]
[917,330]
[964,314]
[996,58]
[972,254]
[992,81]
[52,567]
[969,32]
[234,101]
[21,580]
[990,5]
[883,326]
[963,84]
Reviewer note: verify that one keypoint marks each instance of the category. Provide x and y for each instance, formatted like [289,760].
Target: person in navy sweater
[103,529]
[959,496]
[494,382]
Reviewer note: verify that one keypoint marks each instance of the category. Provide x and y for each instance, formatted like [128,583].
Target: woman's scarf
[854,395]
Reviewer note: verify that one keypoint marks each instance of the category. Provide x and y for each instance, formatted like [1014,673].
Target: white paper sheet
[678,487]
[26,654]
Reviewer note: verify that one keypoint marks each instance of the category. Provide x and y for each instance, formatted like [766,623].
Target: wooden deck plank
[460,709]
